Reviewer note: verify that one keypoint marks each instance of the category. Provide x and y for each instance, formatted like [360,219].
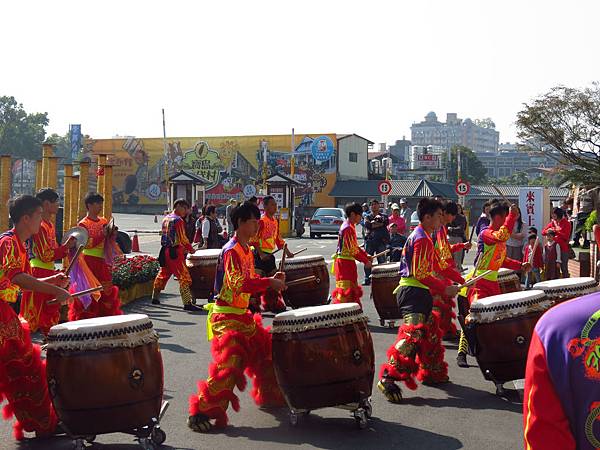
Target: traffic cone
[135,243]
[155,219]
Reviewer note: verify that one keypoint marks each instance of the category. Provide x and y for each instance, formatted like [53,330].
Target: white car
[326,221]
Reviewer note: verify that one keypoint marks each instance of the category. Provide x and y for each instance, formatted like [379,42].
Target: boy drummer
[22,371]
[347,288]
[418,351]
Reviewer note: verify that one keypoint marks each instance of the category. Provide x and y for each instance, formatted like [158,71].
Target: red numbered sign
[384,187]
[462,187]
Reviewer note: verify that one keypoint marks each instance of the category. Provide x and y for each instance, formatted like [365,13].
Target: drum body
[509,281]
[313,293]
[323,356]
[567,288]
[501,327]
[384,280]
[105,375]
[202,266]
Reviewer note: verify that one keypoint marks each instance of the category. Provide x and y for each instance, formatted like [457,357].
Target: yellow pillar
[38,175]
[107,194]
[5,185]
[100,183]
[67,194]
[47,153]
[52,180]
[73,201]
[84,187]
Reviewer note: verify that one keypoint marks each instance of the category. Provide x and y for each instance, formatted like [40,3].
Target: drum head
[566,283]
[503,272]
[314,317]
[304,260]
[205,254]
[386,270]
[508,305]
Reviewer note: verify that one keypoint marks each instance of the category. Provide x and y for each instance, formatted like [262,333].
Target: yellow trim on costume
[212,308]
[38,263]
[98,252]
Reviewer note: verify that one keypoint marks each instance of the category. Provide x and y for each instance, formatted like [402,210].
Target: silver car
[326,221]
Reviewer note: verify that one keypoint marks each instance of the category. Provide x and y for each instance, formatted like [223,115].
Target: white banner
[531,202]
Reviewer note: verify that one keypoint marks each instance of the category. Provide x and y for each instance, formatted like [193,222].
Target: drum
[323,356]
[567,288]
[313,293]
[503,326]
[509,281]
[203,269]
[105,374]
[384,279]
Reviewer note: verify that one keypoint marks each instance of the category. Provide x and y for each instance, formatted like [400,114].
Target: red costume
[174,247]
[43,251]
[449,274]
[240,344]
[418,350]
[95,257]
[22,371]
[268,240]
[347,288]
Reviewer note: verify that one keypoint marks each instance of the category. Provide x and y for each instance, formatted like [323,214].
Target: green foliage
[590,221]
[472,169]
[564,123]
[62,146]
[21,134]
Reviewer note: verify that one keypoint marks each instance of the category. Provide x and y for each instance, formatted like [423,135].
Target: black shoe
[366,283]
[585,245]
[199,423]
[390,390]
[461,360]
[155,301]
[191,307]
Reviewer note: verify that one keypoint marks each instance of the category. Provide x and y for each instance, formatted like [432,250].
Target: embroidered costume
[98,256]
[43,251]
[22,371]
[561,402]
[268,240]
[174,246]
[240,344]
[418,350]
[347,288]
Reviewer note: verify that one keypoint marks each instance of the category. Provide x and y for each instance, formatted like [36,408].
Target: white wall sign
[531,202]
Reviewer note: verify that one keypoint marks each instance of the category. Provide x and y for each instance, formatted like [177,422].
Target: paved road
[462,414]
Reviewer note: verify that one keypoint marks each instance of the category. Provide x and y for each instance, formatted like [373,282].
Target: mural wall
[230,163]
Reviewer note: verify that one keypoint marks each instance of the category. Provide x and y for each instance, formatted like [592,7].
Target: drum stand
[500,391]
[361,412]
[390,323]
[150,437]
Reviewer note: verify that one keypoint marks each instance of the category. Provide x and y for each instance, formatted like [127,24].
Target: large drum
[567,288]
[203,269]
[502,327]
[105,374]
[323,356]
[384,279]
[313,293]
[509,281]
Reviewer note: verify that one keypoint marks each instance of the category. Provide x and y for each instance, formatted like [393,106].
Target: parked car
[326,221]
[414,221]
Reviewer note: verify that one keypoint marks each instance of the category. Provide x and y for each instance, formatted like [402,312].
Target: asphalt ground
[465,413]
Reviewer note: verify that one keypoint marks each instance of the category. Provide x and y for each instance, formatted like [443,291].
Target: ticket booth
[282,188]
[187,185]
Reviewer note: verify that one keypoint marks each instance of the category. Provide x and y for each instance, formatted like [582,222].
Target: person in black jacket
[377,236]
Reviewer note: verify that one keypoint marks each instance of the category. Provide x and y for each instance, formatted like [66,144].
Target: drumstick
[535,244]
[300,251]
[471,237]
[72,262]
[377,255]
[79,294]
[301,280]
[282,262]
[500,193]
[474,280]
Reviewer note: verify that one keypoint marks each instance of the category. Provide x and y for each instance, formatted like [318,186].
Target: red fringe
[350,295]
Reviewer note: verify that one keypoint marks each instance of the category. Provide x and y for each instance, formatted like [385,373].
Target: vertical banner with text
[531,202]
[75,139]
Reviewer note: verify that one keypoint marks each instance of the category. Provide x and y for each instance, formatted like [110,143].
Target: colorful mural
[230,163]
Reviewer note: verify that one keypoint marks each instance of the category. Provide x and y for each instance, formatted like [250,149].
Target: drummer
[266,242]
[239,341]
[22,372]
[347,288]
[43,251]
[418,350]
[174,245]
[491,256]
[444,251]
[98,254]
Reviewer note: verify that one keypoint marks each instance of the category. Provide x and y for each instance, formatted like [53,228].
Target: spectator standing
[457,233]
[406,213]
[552,257]
[228,210]
[514,245]
[211,229]
[396,243]
[377,236]
[533,252]
[397,219]
[585,206]
[562,231]
[365,213]
[484,219]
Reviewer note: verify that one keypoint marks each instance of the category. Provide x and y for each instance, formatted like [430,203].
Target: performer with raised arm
[266,242]
[347,288]
[98,255]
[491,256]
[418,350]
[174,246]
[240,343]
[22,372]
[43,251]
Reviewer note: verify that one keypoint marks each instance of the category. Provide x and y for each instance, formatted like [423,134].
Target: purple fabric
[409,250]
[221,264]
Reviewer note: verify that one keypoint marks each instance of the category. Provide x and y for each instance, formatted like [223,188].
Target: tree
[62,146]
[21,134]
[472,170]
[564,123]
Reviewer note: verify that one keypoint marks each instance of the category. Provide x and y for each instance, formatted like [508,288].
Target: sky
[264,67]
